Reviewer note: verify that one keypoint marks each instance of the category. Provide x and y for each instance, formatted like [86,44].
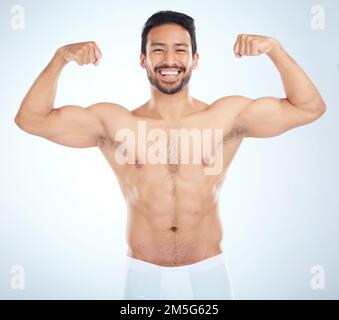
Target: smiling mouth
[169,74]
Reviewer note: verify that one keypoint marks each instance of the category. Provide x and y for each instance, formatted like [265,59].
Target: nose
[170,58]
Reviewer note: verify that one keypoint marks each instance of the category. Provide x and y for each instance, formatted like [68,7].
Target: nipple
[207,161]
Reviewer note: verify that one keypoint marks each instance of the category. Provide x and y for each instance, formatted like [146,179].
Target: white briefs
[206,279]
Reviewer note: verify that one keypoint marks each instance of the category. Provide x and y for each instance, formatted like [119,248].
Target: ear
[142,60]
[195,60]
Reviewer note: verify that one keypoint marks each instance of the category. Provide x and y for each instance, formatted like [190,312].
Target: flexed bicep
[71,125]
[269,116]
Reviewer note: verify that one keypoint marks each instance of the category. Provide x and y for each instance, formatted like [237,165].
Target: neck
[170,106]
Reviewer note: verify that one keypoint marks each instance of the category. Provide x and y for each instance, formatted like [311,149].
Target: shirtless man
[173,230]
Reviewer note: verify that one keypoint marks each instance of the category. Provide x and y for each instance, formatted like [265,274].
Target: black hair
[163,17]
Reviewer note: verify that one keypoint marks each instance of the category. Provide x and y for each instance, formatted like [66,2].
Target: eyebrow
[179,44]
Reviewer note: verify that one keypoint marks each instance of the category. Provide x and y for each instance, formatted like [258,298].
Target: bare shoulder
[230,107]
[112,115]
[108,108]
[236,103]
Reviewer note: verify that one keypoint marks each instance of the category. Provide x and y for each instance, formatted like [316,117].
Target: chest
[159,150]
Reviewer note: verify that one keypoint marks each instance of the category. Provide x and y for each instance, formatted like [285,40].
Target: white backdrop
[62,216]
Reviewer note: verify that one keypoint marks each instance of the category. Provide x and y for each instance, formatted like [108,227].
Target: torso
[173,215]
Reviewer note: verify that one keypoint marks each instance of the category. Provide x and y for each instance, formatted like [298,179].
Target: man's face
[168,61]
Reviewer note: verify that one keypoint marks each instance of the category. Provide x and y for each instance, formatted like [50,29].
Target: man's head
[169,50]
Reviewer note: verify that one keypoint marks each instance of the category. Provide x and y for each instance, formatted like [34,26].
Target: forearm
[299,89]
[39,100]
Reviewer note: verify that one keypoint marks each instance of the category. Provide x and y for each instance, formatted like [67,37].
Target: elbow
[318,109]
[321,108]
[22,122]
[18,121]
[324,108]
[29,123]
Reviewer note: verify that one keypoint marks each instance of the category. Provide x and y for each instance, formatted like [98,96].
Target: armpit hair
[105,141]
[236,132]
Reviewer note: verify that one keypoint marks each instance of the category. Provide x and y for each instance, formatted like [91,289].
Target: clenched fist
[82,53]
[253,45]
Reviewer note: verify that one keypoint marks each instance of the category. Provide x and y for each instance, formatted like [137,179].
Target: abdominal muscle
[172,220]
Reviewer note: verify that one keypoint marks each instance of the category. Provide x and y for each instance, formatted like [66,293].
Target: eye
[157,50]
[181,50]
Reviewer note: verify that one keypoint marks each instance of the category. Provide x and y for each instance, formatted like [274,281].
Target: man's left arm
[270,116]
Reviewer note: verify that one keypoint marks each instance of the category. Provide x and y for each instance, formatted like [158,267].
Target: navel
[174,228]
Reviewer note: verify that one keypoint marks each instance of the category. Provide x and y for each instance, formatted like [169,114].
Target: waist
[210,262]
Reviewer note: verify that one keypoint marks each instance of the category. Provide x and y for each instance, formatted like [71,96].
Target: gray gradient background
[62,216]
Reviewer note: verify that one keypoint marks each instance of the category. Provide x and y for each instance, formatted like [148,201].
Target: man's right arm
[71,125]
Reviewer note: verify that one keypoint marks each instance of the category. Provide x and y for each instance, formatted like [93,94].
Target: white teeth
[169,73]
